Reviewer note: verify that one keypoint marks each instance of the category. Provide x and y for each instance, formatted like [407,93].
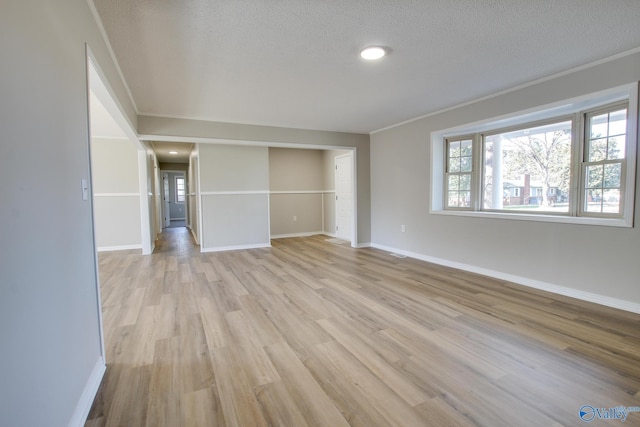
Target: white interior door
[344,197]
[158,202]
[166,208]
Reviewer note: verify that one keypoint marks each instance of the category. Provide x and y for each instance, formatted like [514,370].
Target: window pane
[454,148]
[459,190]
[616,147]
[465,182]
[465,148]
[530,166]
[465,199]
[599,126]
[465,164]
[618,122]
[459,156]
[454,182]
[603,188]
[611,201]
[598,150]
[603,201]
[612,175]
[594,176]
[593,200]
[454,164]
[453,199]
[607,136]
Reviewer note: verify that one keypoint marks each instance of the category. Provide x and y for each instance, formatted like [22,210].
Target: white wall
[50,362]
[234,186]
[295,182]
[302,185]
[296,178]
[600,263]
[116,190]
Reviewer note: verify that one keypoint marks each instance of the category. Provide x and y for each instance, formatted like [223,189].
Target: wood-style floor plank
[314,333]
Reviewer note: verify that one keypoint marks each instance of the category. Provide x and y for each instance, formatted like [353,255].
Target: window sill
[562,219]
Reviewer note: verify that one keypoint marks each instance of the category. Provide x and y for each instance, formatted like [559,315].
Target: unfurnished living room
[319,213]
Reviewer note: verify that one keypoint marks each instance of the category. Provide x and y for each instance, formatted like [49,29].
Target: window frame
[585,163]
[471,174]
[576,108]
[184,189]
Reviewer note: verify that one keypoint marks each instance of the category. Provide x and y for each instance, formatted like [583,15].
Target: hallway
[176,240]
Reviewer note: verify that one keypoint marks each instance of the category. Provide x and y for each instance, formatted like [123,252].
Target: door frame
[185,175]
[166,200]
[351,236]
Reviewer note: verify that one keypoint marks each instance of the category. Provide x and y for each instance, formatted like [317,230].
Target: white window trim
[472,175]
[175,186]
[568,107]
[584,164]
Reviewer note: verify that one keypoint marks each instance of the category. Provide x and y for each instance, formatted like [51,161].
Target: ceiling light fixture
[372,53]
[173,152]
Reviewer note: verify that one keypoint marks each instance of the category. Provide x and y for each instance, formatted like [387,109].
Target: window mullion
[476,177]
[577,179]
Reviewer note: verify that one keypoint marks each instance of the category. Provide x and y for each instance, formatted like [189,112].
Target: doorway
[174,199]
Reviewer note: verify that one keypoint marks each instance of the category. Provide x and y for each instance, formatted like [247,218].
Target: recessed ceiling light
[372,53]
[173,152]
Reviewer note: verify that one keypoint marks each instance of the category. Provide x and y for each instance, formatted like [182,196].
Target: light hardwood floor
[311,333]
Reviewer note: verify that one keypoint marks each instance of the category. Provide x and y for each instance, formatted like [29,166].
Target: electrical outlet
[403,228]
[295,218]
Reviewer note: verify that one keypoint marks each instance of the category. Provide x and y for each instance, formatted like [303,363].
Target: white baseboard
[536,284]
[305,234]
[357,245]
[118,248]
[236,248]
[83,407]
[363,245]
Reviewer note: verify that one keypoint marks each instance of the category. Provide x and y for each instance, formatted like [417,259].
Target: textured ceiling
[295,63]
[163,151]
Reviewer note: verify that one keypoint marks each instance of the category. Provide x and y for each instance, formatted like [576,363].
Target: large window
[528,168]
[566,165]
